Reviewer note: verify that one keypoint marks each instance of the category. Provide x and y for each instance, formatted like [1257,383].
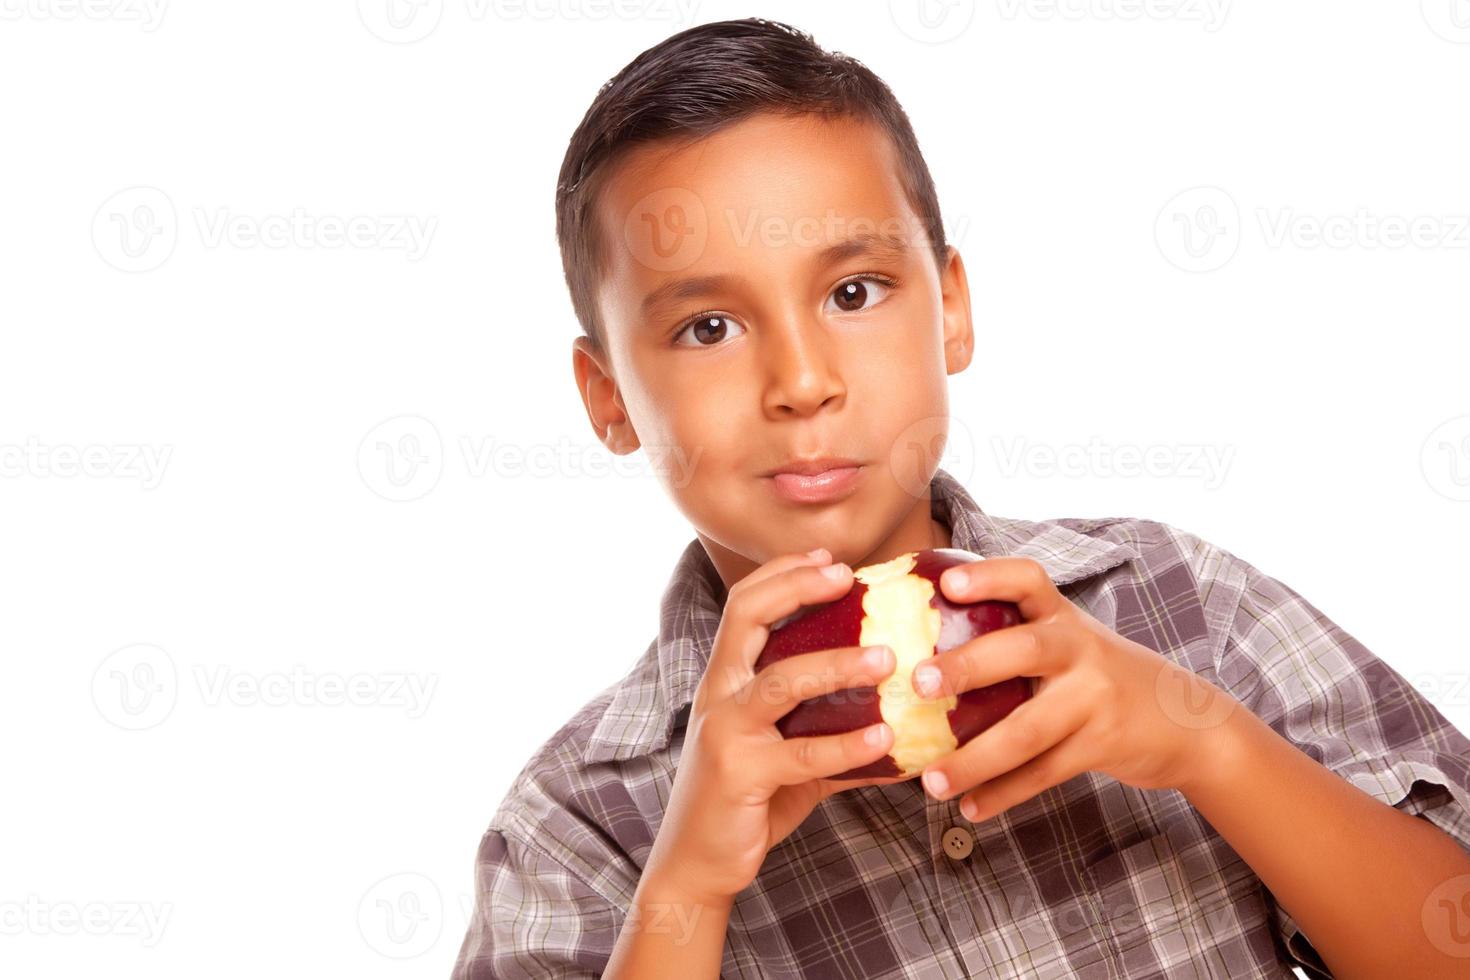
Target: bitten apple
[898,603]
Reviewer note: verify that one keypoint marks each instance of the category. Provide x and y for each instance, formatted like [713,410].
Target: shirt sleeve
[533,917]
[1321,689]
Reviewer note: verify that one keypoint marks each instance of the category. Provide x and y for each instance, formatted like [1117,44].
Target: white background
[261,559]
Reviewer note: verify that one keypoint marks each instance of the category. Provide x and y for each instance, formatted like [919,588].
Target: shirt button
[958,843]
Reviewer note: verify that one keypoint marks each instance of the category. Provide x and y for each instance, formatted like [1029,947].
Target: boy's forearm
[670,933]
[1354,872]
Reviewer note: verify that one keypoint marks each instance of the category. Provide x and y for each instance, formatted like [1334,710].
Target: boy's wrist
[671,931]
[663,885]
[1220,751]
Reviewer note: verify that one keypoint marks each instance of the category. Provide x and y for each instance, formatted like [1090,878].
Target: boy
[1210,772]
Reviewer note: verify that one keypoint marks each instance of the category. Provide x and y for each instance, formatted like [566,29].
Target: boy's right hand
[741,787]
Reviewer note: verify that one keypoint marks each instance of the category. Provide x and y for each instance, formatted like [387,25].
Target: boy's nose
[803,375]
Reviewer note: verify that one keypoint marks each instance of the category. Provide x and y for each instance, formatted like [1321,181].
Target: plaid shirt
[1091,878]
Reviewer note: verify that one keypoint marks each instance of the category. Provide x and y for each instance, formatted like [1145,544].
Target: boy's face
[737,342]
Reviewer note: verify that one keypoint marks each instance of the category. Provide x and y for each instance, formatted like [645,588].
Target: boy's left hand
[1103,702]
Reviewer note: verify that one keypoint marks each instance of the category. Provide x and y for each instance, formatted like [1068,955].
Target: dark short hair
[694,83]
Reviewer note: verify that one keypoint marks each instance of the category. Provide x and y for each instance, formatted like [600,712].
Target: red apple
[898,603]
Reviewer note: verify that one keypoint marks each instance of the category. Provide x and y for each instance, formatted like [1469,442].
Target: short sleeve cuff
[1424,784]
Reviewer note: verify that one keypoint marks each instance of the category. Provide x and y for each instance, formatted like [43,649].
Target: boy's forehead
[769,190]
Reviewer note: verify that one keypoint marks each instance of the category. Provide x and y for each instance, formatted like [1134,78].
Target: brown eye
[851,296]
[856,295]
[707,330]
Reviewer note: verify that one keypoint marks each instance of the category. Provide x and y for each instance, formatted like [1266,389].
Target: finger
[1023,650]
[781,563]
[1019,580]
[781,686]
[745,624]
[1028,731]
[1051,768]
[797,760]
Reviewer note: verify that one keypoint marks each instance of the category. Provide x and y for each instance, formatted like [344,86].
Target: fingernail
[817,553]
[876,734]
[969,810]
[926,679]
[875,656]
[935,782]
[836,571]
[957,581]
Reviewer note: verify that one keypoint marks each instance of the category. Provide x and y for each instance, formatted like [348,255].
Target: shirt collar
[646,705]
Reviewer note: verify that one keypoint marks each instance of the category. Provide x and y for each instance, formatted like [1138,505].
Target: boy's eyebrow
[864,243]
[676,289]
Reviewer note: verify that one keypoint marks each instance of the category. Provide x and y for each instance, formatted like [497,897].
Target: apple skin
[909,586]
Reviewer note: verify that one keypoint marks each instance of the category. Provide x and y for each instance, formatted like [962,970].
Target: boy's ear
[600,396]
[959,333]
